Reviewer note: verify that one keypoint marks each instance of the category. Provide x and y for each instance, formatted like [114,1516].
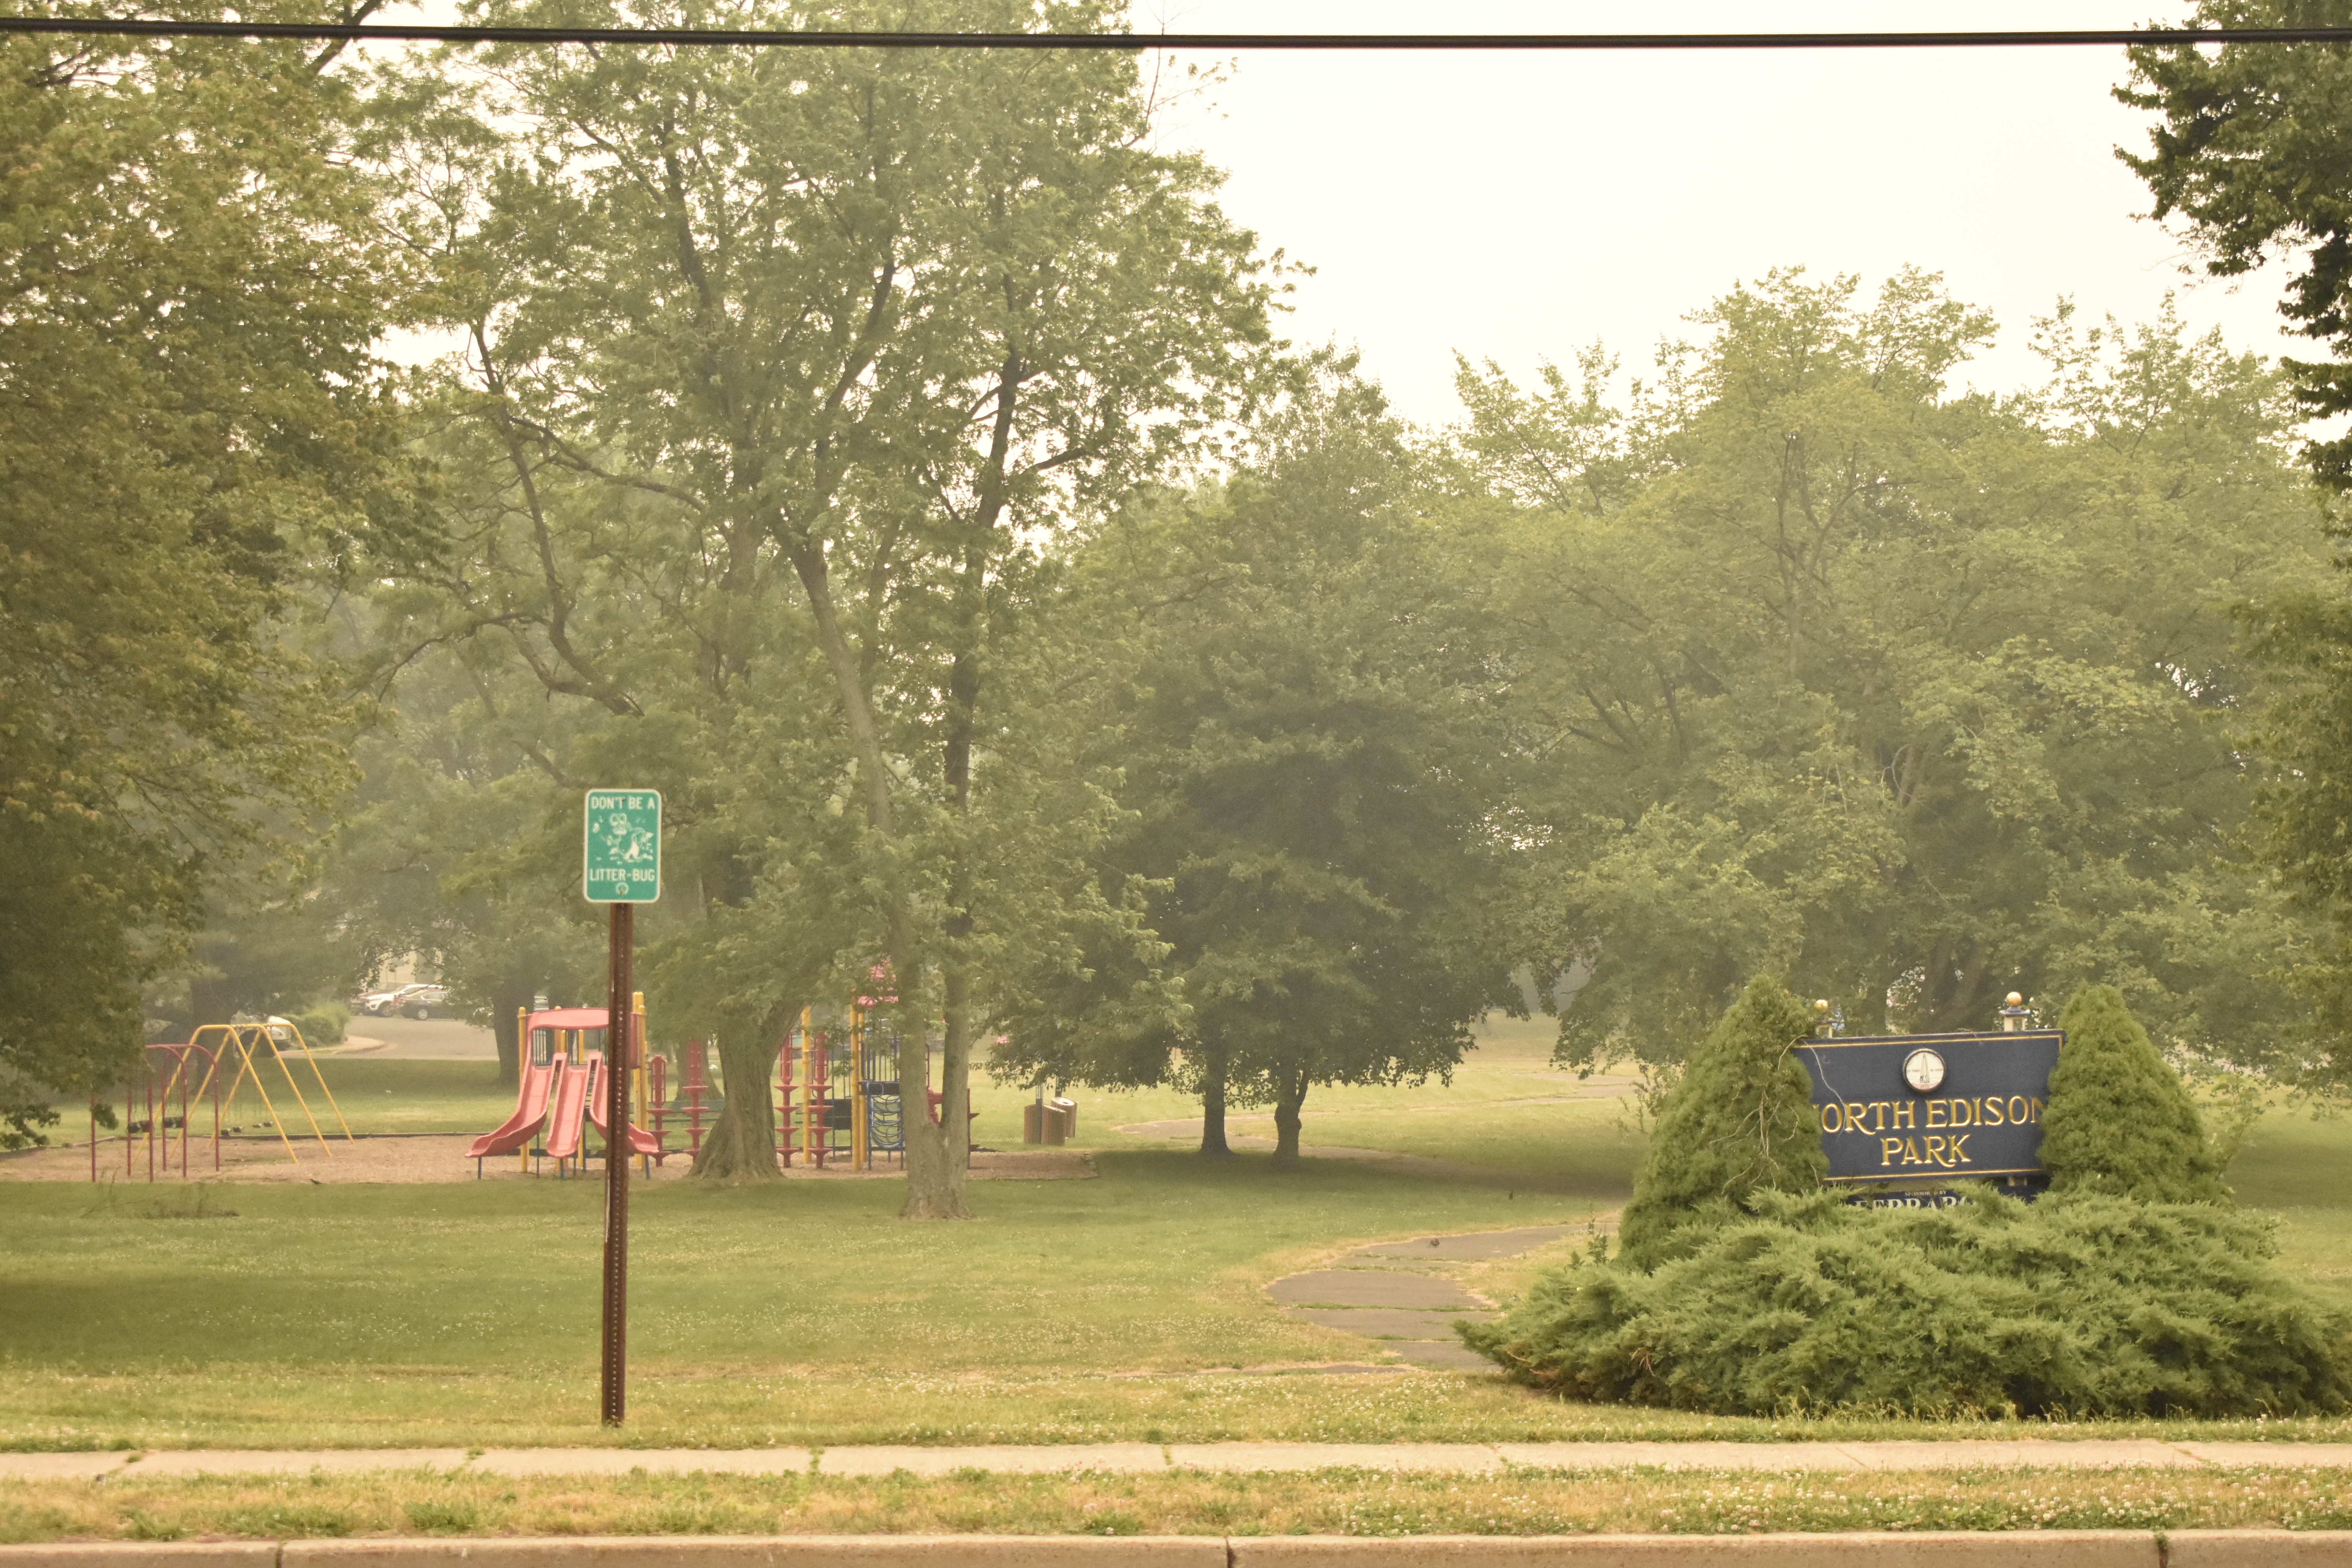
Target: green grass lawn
[798,1312]
[1128,1307]
[396,1097]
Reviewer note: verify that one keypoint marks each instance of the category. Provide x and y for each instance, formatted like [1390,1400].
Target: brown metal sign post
[618,1048]
[621,868]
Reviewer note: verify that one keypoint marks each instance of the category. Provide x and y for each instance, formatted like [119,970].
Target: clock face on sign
[1923,1070]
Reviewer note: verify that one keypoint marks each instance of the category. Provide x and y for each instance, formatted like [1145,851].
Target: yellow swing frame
[239,1041]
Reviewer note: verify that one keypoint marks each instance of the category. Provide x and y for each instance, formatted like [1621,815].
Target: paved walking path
[1139,1458]
[1404,1295]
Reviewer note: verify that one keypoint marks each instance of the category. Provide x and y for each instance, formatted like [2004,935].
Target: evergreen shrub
[2133,1288]
[321,1023]
[1741,1121]
[2090,1306]
[2118,1120]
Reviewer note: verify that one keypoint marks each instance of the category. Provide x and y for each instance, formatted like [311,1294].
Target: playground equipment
[832,1104]
[215,1068]
[693,1091]
[561,1090]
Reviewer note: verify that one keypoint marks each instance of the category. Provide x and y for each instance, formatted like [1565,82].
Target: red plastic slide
[563,1121]
[640,1141]
[530,1109]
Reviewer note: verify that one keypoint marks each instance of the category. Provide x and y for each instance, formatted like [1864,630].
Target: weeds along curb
[1877,1549]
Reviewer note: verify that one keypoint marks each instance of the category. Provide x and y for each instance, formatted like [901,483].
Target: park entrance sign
[1906,1108]
[621,861]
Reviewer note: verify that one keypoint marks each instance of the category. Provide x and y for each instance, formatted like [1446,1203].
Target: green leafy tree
[782,372]
[447,856]
[1306,725]
[2250,149]
[1820,669]
[193,428]
[1741,1121]
[2303,644]
[2118,1120]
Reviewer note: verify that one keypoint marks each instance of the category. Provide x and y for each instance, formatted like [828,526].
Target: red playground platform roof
[569,1018]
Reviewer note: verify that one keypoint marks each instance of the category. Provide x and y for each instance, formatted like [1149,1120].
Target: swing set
[216,1064]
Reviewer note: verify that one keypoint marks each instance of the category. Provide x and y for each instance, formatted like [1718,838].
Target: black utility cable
[2109,37]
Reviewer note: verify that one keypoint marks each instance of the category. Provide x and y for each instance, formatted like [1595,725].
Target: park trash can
[1066,1113]
[1033,1122]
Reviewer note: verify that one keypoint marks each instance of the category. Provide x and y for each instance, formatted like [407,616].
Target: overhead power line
[323,32]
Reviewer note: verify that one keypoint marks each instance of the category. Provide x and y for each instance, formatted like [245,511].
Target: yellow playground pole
[270,1039]
[328,1093]
[860,1156]
[234,1038]
[522,1069]
[812,1130]
[641,1093]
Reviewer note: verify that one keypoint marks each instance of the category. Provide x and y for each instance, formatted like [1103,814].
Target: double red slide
[558,1096]
[530,1112]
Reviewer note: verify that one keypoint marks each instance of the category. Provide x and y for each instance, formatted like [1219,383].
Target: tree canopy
[782,371]
[888,456]
[1824,670]
[191,429]
[1310,760]
[2250,149]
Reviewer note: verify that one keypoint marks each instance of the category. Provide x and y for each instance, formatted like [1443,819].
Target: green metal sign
[620,858]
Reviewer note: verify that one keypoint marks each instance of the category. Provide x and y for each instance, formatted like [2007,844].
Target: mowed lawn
[1128,1307]
[789,1312]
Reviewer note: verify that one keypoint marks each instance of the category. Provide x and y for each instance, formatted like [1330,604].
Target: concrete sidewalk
[1139,1458]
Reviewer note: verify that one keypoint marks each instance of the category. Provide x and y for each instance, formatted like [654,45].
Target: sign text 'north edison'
[621,861]
[1977,1113]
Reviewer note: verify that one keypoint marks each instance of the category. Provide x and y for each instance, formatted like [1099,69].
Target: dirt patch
[426,1158]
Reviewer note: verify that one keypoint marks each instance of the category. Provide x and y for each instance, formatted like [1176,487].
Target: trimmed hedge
[2133,1288]
[2092,1306]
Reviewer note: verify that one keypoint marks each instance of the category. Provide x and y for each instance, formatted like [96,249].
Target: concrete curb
[2256,1549]
[147,1554]
[1894,1549]
[1923,1548]
[766,1552]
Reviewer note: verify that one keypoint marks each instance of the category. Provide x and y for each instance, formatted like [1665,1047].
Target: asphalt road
[427,1039]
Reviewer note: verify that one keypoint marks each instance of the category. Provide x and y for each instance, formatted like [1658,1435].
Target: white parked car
[416,1001]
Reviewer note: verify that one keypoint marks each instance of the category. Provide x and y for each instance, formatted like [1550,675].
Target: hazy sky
[1517,206]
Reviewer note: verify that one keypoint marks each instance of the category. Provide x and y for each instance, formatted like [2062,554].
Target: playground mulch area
[425,1157]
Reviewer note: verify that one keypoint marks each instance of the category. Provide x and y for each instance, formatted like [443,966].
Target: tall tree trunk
[507,1003]
[935,1188]
[742,1144]
[1213,1102]
[1288,1100]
